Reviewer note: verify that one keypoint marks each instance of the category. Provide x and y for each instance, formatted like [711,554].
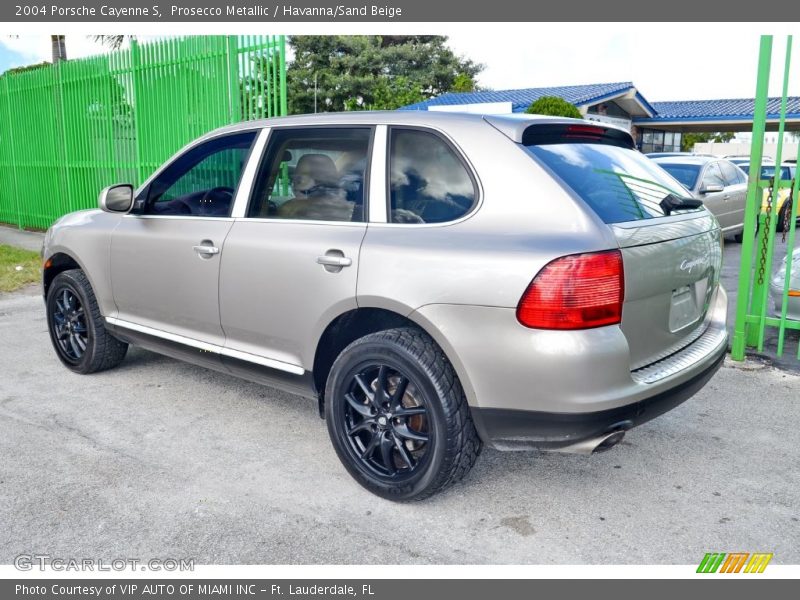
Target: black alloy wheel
[398,417]
[387,421]
[77,329]
[68,323]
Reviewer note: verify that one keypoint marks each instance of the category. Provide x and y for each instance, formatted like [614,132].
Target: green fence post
[233,80]
[764,279]
[61,131]
[284,101]
[137,130]
[13,156]
[753,204]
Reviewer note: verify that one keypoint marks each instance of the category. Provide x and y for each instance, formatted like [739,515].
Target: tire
[739,237]
[780,225]
[76,326]
[395,392]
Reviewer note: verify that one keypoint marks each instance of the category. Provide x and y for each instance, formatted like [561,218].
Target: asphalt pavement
[160,459]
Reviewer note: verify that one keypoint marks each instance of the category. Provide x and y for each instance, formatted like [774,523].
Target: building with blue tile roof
[657,126]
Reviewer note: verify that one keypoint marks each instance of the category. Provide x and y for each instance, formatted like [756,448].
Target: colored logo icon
[734,562]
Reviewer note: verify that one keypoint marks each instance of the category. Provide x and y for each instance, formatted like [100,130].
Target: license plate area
[688,305]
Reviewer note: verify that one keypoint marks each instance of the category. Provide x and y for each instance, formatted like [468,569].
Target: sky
[664,61]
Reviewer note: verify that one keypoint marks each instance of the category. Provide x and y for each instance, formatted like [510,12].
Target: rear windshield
[619,184]
[686,174]
[768,172]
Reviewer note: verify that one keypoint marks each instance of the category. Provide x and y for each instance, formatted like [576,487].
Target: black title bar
[330,11]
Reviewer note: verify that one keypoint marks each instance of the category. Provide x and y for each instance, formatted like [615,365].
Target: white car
[776,288]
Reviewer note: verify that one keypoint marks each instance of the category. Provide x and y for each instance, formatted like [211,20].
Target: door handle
[334,261]
[206,250]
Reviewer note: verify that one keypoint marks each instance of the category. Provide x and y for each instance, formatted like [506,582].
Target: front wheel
[397,415]
[76,327]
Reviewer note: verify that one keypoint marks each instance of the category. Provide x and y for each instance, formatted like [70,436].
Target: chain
[787,212]
[762,263]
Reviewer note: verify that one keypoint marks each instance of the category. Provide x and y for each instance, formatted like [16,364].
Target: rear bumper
[520,429]
[552,389]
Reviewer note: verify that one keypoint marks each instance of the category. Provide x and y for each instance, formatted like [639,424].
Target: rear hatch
[671,249]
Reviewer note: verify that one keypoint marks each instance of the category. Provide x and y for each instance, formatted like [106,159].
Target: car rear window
[768,172]
[686,174]
[619,184]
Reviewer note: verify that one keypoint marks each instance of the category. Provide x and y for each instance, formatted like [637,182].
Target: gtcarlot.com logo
[28,562]
[734,562]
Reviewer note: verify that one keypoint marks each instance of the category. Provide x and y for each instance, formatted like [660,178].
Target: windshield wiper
[672,202]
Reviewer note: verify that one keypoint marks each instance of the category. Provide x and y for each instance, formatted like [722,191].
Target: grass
[18,268]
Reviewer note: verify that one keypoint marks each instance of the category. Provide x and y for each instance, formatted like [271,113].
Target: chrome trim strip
[262,360]
[377,176]
[178,217]
[187,341]
[302,222]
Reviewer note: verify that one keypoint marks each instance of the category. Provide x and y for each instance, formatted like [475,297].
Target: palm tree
[59,48]
[111,41]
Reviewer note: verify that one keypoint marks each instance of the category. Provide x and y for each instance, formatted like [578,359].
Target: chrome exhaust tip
[611,440]
[594,445]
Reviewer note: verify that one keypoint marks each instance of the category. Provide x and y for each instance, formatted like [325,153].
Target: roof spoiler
[540,130]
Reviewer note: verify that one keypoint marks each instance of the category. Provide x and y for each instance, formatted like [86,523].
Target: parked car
[663,154]
[669,154]
[787,174]
[717,182]
[777,284]
[434,281]
[743,162]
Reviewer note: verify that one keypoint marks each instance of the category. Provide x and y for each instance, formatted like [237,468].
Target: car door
[165,255]
[290,262]
[712,192]
[735,192]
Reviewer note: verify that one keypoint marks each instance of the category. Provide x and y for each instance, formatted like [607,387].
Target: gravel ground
[161,459]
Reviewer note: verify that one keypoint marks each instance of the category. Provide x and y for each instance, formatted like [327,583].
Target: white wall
[743,148]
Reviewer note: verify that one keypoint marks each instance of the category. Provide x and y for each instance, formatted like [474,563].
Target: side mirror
[713,188]
[116,198]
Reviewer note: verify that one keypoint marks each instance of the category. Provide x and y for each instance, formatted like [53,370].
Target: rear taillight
[575,292]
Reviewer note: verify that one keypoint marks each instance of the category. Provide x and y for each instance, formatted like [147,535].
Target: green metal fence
[761,312]
[69,129]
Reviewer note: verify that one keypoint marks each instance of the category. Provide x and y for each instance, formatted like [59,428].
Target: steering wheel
[216,198]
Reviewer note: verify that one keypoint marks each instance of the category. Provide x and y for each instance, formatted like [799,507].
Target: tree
[58,47]
[688,140]
[114,42]
[554,106]
[338,72]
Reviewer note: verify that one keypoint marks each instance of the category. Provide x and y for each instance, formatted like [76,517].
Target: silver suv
[434,281]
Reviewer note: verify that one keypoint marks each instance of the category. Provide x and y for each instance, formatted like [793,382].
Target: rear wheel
[780,225]
[76,326]
[397,415]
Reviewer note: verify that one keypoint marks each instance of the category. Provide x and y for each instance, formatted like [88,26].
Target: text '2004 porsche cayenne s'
[436,282]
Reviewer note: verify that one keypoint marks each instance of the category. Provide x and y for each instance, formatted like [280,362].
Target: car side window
[200,182]
[712,176]
[742,176]
[730,172]
[313,173]
[428,181]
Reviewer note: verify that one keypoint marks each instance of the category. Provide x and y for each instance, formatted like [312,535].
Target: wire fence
[69,129]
